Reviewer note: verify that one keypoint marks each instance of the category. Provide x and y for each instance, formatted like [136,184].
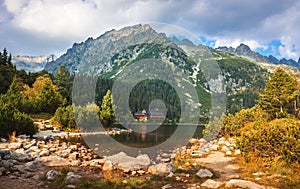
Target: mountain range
[243,70]
[32,63]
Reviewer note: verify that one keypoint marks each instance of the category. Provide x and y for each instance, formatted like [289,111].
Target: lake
[163,138]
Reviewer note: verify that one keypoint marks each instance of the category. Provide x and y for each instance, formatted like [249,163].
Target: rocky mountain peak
[243,49]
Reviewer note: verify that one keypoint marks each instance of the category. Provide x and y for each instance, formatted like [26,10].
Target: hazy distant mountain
[32,63]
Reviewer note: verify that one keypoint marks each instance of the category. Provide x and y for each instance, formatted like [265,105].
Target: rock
[125,162]
[75,163]
[214,147]
[166,186]
[211,184]
[225,149]
[72,178]
[2,171]
[243,184]
[3,140]
[44,153]
[13,177]
[33,143]
[70,186]
[52,174]
[4,152]
[41,183]
[165,160]
[259,174]
[129,166]
[74,155]
[28,175]
[6,164]
[108,166]
[53,161]
[65,153]
[228,153]
[204,173]
[161,168]
[202,140]
[237,152]
[36,177]
[14,145]
[22,157]
[32,166]
[73,147]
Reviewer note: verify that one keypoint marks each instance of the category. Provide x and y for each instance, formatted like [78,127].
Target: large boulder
[22,157]
[4,152]
[32,166]
[243,184]
[211,184]
[161,168]
[122,158]
[126,163]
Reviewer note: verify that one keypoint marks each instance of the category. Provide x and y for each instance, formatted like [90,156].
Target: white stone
[225,149]
[14,145]
[228,153]
[243,184]
[211,184]
[214,147]
[161,168]
[237,152]
[204,173]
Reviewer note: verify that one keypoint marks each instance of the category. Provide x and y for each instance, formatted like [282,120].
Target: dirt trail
[227,167]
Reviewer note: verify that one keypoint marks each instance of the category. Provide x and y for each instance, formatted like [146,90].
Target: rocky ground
[56,163]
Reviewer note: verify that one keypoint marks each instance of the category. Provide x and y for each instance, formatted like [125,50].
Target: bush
[12,120]
[275,139]
[64,118]
[233,123]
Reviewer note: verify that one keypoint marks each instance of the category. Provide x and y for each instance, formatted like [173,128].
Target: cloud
[229,22]
[288,48]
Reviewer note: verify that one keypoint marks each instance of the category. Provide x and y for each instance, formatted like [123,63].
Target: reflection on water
[138,139]
[143,139]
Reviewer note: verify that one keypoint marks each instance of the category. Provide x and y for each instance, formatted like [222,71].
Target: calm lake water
[137,141]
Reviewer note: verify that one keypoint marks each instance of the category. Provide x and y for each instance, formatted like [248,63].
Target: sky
[44,27]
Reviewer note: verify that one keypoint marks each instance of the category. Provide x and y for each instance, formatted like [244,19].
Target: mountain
[243,71]
[98,51]
[245,51]
[32,63]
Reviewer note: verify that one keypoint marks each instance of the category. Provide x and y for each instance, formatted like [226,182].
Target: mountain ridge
[245,51]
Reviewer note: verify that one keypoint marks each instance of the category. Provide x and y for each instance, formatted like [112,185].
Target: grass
[276,173]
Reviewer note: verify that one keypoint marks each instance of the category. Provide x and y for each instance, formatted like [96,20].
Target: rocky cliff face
[97,52]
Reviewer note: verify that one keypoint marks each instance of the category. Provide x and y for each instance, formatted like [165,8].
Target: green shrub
[64,118]
[277,139]
[12,120]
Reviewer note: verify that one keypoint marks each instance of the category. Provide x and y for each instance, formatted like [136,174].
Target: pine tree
[279,95]
[107,115]
[63,82]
